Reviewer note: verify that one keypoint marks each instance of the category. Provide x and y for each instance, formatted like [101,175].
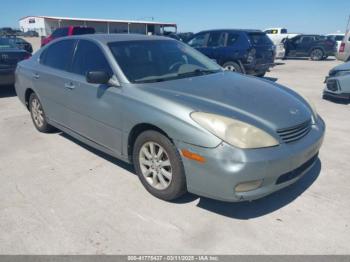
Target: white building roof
[101,20]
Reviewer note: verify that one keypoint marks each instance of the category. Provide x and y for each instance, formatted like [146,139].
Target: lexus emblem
[4,57]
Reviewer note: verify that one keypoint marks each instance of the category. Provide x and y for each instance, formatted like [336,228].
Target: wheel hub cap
[155,165]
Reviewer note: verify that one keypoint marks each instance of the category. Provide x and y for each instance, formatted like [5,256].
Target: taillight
[342,48]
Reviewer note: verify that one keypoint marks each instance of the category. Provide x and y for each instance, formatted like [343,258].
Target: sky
[299,16]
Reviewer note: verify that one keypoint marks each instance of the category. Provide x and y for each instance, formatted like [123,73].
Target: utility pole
[348,25]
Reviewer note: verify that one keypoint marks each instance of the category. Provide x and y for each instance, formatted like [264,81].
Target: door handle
[36,76]
[69,85]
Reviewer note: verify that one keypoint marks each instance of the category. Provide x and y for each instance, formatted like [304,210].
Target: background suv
[243,51]
[66,31]
[344,50]
[316,47]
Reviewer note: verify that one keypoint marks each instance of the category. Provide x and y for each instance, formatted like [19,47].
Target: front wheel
[38,115]
[159,166]
[317,54]
[233,67]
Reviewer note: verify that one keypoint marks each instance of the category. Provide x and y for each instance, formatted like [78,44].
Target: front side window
[59,55]
[6,43]
[89,57]
[199,41]
[306,39]
[160,60]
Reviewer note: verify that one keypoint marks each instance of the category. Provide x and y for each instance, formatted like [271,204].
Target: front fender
[170,117]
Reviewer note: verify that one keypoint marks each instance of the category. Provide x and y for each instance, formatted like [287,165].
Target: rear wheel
[233,66]
[38,115]
[316,54]
[159,166]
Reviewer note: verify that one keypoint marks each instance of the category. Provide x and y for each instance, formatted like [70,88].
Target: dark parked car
[317,47]
[21,43]
[10,55]
[30,34]
[244,51]
[67,31]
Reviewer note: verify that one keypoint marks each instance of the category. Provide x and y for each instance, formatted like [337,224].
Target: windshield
[160,60]
[259,39]
[6,43]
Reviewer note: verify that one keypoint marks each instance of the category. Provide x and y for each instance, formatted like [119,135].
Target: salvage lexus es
[184,123]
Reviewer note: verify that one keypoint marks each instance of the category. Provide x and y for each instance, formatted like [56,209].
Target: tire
[38,116]
[150,170]
[262,74]
[317,54]
[233,67]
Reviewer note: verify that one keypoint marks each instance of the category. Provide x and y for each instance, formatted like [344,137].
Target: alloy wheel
[155,165]
[37,112]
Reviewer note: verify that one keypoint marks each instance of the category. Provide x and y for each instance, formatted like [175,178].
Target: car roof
[108,38]
[233,30]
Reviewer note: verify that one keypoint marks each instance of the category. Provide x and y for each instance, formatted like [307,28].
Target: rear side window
[83,30]
[59,55]
[216,39]
[60,32]
[283,31]
[259,39]
[232,39]
[89,57]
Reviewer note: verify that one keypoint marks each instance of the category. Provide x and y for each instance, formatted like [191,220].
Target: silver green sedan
[183,122]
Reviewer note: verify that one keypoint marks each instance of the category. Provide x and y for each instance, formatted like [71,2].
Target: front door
[95,109]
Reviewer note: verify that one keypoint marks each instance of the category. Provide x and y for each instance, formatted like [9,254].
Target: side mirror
[97,77]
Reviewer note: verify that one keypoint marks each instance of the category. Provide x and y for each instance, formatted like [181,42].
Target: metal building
[45,25]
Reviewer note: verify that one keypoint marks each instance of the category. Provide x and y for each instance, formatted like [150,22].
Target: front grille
[332,85]
[292,134]
[296,172]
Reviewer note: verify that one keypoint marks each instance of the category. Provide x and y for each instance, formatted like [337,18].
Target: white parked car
[338,37]
[278,34]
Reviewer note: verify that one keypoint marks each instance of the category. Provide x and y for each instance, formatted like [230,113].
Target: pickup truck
[277,35]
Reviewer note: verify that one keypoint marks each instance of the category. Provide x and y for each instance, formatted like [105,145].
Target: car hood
[342,67]
[250,99]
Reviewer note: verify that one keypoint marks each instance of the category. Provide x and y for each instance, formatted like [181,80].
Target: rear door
[50,78]
[95,109]
[263,46]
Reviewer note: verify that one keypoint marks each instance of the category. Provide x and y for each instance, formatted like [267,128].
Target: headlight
[234,132]
[311,105]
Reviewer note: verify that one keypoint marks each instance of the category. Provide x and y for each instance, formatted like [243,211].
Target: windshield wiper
[198,72]
[155,80]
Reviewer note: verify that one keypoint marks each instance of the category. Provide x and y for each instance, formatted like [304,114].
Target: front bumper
[7,76]
[333,89]
[227,166]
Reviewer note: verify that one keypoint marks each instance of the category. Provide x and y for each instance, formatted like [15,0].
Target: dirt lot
[61,197]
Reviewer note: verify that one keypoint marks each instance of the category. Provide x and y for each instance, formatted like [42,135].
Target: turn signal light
[193,156]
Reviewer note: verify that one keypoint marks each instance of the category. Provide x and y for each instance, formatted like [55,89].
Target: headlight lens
[234,132]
